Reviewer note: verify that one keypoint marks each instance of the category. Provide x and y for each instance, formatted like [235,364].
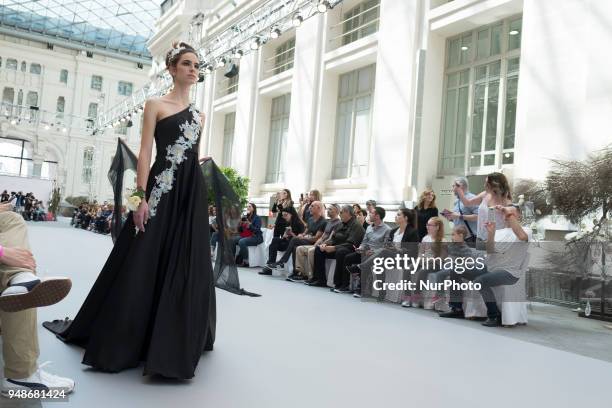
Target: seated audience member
[304,256]
[375,237]
[295,227]
[5,196]
[506,251]
[21,292]
[402,239]
[314,231]
[362,218]
[306,202]
[426,209]
[283,200]
[249,235]
[432,248]
[370,205]
[346,238]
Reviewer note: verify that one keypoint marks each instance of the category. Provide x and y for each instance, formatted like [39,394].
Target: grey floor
[298,346]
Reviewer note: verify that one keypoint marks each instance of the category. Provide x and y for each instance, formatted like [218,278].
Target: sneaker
[26,291]
[265,271]
[277,265]
[406,303]
[315,282]
[295,277]
[436,299]
[357,295]
[344,289]
[40,380]
[492,322]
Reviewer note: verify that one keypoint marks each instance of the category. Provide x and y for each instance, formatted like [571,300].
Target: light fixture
[64,130]
[275,33]
[506,155]
[47,127]
[110,126]
[128,117]
[464,48]
[13,122]
[123,119]
[238,54]
[323,6]
[221,62]
[513,32]
[297,20]
[209,69]
[255,43]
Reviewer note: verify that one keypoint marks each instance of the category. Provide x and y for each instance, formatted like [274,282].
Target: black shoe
[296,278]
[315,282]
[265,271]
[343,289]
[492,322]
[292,276]
[277,265]
[453,314]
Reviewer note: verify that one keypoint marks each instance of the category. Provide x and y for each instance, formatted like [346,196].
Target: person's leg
[19,335]
[318,272]
[490,280]
[341,275]
[290,251]
[301,253]
[273,249]
[244,243]
[456,295]
[309,267]
[214,238]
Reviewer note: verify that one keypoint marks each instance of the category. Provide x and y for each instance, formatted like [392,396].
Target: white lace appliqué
[175,155]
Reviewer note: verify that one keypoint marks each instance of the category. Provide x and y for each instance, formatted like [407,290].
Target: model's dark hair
[172,60]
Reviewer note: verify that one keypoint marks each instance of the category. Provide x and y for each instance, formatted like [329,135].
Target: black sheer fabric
[220,194]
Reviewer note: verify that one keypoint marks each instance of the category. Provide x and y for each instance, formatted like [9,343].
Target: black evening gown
[154,300]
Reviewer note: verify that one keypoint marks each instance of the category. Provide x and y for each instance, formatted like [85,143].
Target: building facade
[51,96]
[384,98]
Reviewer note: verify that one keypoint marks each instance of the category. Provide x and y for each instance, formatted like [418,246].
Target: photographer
[250,235]
[4,197]
[294,227]
[462,214]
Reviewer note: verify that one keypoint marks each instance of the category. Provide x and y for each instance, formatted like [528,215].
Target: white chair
[512,299]
[473,304]
[288,268]
[257,255]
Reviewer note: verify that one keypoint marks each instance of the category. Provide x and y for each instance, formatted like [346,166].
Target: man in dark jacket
[346,238]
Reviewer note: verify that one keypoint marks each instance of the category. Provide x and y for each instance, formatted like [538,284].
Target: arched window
[23,66]
[32,99]
[35,69]
[8,95]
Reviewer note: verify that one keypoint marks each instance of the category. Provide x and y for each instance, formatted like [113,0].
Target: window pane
[492,104]
[343,137]
[64,75]
[483,44]
[514,34]
[32,99]
[92,111]
[478,117]
[510,114]
[475,160]
[466,49]
[513,66]
[449,123]
[228,138]
[27,168]
[489,160]
[496,39]
[10,165]
[11,64]
[453,53]
[49,170]
[8,95]
[35,69]
[453,80]
[461,122]
[365,80]
[480,73]
[10,147]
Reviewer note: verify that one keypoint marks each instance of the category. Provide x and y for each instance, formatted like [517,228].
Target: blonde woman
[426,208]
[431,250]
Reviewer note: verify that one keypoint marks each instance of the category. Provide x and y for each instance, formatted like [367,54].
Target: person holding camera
[462,214]
[4,197]
[250,235]
[294,227]
[506,249]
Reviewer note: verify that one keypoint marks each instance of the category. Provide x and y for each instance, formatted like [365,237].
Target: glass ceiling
[123,26]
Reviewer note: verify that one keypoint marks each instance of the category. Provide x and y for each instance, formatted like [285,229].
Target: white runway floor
[298,346]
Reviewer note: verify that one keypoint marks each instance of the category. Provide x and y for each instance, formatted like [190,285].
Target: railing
[341,37]
[34,117]
[279,63]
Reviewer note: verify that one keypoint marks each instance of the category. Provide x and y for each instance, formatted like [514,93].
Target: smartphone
[491,214]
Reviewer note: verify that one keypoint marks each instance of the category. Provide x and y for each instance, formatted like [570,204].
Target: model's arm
[470,202]
[144,161]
